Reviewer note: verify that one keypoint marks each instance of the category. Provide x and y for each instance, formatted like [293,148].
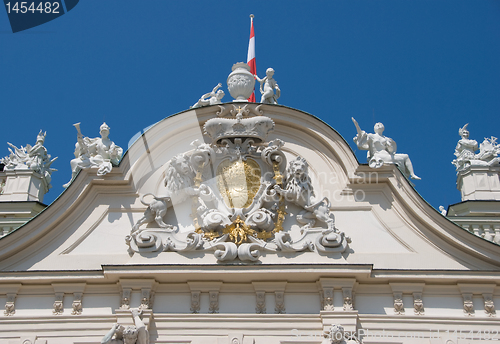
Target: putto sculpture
[137,334]
[382,150]
[31,158]
[466,148]
[211,98]
[100,153]
[267,87]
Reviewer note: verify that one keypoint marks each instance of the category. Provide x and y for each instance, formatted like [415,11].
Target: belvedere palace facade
[247,223]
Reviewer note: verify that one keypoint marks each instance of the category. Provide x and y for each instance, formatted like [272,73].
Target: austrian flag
[251,56]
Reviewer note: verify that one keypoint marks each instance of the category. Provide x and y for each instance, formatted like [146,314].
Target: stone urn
[241,82]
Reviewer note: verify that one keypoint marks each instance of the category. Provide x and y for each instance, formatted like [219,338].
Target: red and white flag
[251,56]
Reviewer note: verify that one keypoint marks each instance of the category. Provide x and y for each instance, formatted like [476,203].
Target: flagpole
[251,56]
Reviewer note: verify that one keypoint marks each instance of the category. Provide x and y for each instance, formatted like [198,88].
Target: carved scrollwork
[272,154]
[225,251]
[261,219]
[144,241]
[285,244]
[249,252]
[331,241]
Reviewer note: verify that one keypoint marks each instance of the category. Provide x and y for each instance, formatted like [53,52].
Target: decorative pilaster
[261,302]
[77,303]
[468,304]
[326,295]
[415,289]
[147,297]
[279,297]
[418,304]
[489,305]
[399,307]
[125,299]
[213,290]
[144,286]
[485,290]
[278,288]
[347,296]
[327,289]
[60,289]
[58,304]
[214,301]
[195,301]
[10,305]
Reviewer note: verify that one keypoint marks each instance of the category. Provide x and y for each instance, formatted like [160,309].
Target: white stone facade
[406,275]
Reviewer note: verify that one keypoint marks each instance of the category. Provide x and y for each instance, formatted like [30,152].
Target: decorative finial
[252,16]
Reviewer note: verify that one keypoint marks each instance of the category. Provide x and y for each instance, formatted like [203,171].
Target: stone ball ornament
[241,82]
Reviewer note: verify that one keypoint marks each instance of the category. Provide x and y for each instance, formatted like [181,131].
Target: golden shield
[238,182]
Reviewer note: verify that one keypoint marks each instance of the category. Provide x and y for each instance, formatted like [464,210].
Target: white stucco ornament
[382,150]
[267,88]
[33,158]
[134,334]
[100,153]
[240,82]
[211,98]
[239,188]
[337,335]
[465,151]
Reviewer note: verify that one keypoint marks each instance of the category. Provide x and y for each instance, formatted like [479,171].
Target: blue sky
[423,68]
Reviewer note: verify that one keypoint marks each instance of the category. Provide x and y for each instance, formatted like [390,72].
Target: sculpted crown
[256,128]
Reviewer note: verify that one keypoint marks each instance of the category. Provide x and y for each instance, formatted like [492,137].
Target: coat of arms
[238,186]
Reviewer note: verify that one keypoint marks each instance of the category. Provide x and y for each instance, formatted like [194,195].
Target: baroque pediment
[294,194]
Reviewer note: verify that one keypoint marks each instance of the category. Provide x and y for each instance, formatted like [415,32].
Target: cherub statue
[267,87]
[211,98]
[382,150]
[120,334]
[466,148]
[99,152]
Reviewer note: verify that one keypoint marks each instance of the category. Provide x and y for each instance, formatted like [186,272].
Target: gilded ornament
[239,231]
[238,182]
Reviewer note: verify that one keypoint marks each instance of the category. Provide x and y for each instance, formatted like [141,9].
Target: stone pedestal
[479,183]
[23,185]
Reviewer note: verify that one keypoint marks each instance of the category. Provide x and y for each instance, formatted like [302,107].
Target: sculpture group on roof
[241,84]
[211,98]
[31,158]
[466,155]
[267,87]
[100,153]
[382,150]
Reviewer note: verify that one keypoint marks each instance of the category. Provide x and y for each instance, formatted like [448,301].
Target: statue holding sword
[382,150]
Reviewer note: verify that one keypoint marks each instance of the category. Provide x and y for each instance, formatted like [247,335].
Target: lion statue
[299,190]
[155,212]
[179,180]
